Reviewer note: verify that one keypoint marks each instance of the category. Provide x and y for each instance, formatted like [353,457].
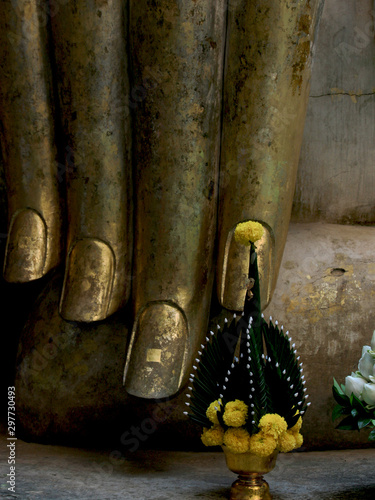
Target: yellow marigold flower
[262,444]
[248,231]
[273,424]
[211,412]
[299,439]
[235,413]
[236,439]
[287,442]
[213,436]
[297,427]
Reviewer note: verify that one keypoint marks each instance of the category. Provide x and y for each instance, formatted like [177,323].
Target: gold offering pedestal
[250,468]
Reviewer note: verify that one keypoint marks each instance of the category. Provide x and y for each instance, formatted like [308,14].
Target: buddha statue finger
[28,143]
[266,88]
[90,46]
[178,47]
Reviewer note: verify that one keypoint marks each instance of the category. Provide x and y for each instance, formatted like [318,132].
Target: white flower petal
[373,342]
[369,394]
[354,385]
[365,348]
[366,365]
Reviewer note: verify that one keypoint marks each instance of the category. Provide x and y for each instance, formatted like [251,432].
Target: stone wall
[325,297]
[336,179]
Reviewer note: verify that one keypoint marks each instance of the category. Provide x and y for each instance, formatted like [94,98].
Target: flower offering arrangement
[248,389]
[356,398]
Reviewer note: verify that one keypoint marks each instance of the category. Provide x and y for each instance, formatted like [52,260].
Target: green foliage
[257,366]
[249,360]
[283,375]
[357,415]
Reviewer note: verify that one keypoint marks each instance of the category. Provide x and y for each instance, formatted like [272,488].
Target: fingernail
[157,352]
[88,281]
[236,268]
[25,252]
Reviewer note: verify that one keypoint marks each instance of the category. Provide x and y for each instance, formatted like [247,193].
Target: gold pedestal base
[250,468]
[250,488]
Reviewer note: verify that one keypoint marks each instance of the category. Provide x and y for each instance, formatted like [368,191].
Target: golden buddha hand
[189,86]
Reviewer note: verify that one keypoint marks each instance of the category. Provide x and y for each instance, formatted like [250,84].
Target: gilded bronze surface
[266,86]
[91,53]
[151,97]
[176,160]
[235,269]
[28,144]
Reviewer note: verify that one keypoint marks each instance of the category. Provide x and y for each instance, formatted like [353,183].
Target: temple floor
[56,472]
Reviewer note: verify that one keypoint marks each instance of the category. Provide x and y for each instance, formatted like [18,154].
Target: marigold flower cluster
[235,413]
[247,232]
[273,431]
[213,436]
[212,410]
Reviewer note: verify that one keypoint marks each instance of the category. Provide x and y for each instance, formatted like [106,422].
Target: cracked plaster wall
[336,179]
[324,296]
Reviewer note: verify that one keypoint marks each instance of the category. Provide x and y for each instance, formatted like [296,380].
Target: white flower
[368,394]
[366,363]
[354,384]
[373,342]
[365,348]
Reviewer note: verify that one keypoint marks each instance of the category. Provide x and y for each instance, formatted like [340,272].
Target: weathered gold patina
[28,144]
[151,96]
[266,87]
[176,160]
[90,43]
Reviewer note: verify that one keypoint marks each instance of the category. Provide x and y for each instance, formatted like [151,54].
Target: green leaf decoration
[357,403]
[258,390]
[252,306]
[338,388]
[359,414]
[371,436]
[216,358]
[354,413]
[283,375]
[250,360]
[339,411]
[341,399]
[363,423]
[348,424]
